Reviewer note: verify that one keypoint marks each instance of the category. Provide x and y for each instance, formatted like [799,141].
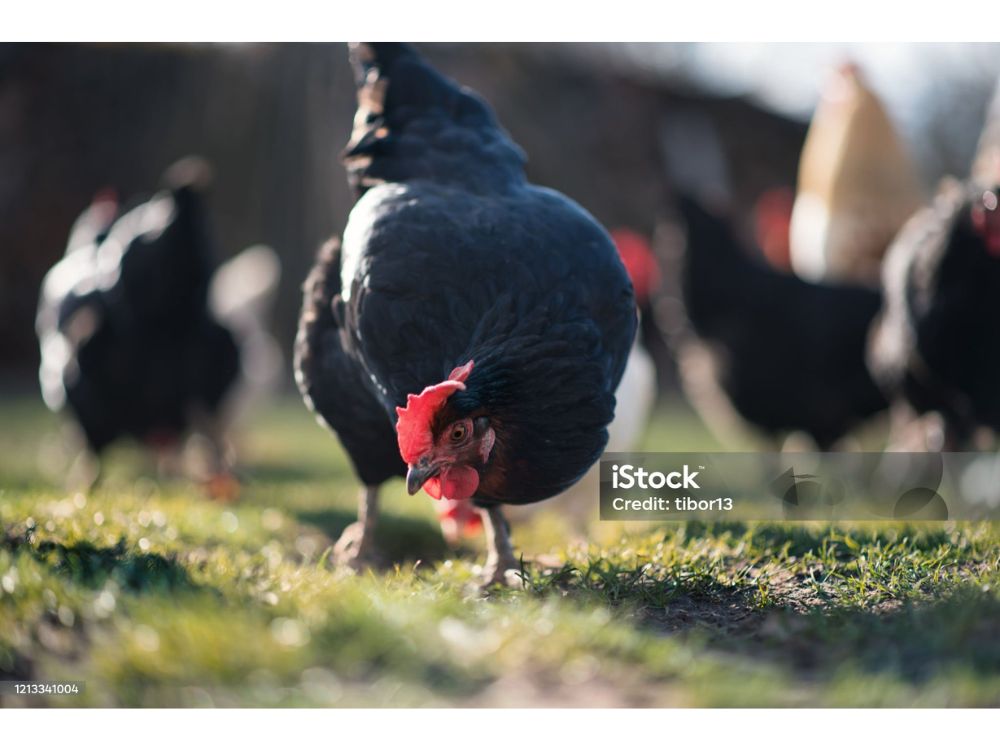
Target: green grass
[155,596]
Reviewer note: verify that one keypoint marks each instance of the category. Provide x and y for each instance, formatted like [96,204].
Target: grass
[155,596]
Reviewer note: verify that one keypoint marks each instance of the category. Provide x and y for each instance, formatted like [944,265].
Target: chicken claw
[502,567]
[508,574]
[356,547]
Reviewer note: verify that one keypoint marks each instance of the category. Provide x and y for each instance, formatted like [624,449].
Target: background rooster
[942,281]
[142,338]
[473,330]
[931,349]
[856,186]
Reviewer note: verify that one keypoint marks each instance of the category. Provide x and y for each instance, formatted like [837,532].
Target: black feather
[333,383]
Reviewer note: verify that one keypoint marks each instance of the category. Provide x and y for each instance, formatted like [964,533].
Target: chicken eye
[458,432]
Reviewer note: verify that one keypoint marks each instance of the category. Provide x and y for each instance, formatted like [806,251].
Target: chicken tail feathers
[412,122]
[321,293]
[322,288]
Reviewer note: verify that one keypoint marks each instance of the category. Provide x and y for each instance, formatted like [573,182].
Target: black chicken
[763,347]
[129,342]
[472,329]
[934,343]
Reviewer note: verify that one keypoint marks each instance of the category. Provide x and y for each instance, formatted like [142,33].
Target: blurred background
[272,118]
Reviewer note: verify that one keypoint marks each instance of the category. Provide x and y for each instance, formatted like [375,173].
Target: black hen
[128,343]
[471,332]
[766,347]
[934,345]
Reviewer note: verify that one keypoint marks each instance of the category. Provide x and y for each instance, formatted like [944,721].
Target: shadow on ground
[913,640]
[795,628]
[92,566]
[399,539]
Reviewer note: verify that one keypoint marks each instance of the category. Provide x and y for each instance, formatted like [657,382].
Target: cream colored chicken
[857,186]
[986,167]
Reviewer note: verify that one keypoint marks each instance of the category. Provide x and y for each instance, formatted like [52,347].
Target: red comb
[639,261]
[413,426]
[772,214]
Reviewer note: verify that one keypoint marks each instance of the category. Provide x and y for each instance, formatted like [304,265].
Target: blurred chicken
[763,349]
[242,297]
[759,351]
[933,349]
[857,186]
[139,339]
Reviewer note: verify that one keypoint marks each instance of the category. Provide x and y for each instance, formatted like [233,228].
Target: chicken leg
[85,471]
[501,565]
[215,456]
[356,546]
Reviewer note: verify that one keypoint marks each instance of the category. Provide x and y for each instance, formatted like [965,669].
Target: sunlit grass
[154,595]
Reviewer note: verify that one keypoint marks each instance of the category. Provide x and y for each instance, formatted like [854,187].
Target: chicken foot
[214,458]
[501,565]
[356,546]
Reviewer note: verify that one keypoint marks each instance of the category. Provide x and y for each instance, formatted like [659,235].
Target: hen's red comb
[639,261]
[413,426]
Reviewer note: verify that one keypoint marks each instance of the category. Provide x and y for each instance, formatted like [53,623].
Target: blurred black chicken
[132,339]
[471,332]
[934,347]
[759,350]
[760,346]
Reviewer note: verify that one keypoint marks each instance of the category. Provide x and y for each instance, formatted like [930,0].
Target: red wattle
[459,482]
[454,483]
[433,487]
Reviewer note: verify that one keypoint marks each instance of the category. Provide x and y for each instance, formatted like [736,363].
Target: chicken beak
[417,474]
